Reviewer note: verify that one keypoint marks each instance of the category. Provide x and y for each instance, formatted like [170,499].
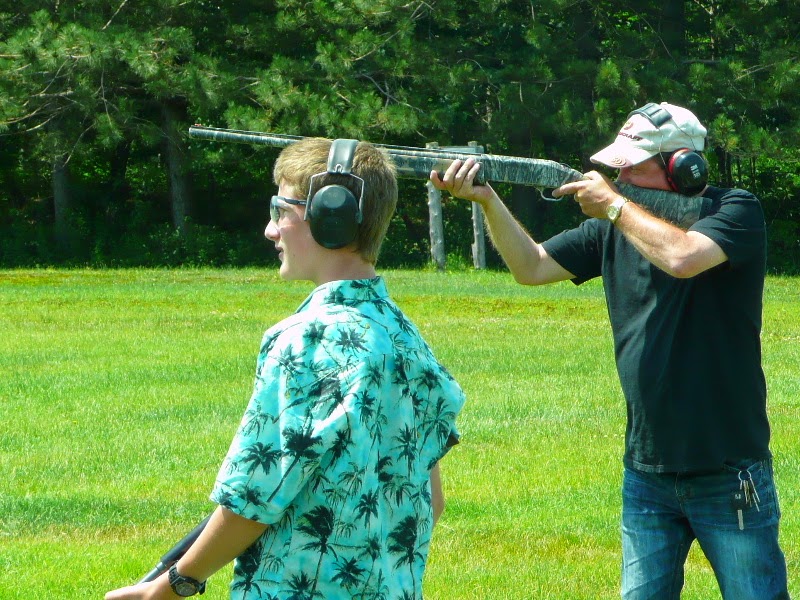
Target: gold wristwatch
[615,208]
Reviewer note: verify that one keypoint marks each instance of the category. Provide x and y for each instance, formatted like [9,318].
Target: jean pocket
[756,484]
[747,464]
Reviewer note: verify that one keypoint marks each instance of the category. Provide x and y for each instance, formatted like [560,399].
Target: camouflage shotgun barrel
[540,173]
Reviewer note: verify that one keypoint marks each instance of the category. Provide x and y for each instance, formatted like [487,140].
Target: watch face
[185,589]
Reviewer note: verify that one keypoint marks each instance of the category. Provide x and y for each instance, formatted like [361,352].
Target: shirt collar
[348,292]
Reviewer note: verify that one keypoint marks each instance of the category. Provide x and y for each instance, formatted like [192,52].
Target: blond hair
[298,162]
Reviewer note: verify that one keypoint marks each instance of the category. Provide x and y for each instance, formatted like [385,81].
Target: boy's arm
[225,537]
[437,495]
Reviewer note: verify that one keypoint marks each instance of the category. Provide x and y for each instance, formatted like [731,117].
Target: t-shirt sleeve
[737,227]
[294,417]
[578,250]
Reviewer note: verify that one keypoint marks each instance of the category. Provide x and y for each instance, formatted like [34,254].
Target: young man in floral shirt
[331,486]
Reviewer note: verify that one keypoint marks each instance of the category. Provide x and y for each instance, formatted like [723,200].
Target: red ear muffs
[687,172]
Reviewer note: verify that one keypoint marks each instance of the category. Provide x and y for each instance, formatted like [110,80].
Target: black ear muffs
[333,216]
[333,211]
[687,172]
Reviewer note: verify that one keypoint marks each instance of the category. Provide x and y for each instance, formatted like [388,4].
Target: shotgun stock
[544,174]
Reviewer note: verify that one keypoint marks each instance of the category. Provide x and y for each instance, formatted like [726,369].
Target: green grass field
[121,390]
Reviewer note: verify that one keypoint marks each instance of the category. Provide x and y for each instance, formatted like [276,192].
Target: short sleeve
[294,418]
[578,250]
[737,227]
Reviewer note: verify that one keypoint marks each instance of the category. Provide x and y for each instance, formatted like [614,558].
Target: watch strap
[615,208]
[184,586]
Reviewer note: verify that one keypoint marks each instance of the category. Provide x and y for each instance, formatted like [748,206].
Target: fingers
[456,171]
[564,190]
[444,181]
[584,185]
[570,188]
[458,178]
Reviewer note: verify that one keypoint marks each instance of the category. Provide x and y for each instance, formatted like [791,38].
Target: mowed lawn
[121,390]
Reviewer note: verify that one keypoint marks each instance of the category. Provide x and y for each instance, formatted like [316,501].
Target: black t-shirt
[688,351]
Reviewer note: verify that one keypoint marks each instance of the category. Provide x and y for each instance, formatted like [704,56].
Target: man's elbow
[698,256]
[682,269]
[542,274]
[690,266]
[526,279]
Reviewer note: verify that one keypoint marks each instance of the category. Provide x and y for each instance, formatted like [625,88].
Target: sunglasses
[275,205]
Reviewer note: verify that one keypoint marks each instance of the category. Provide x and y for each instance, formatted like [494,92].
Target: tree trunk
[62,205]
[724,166]
[673,29]
[119,168]
[179,188]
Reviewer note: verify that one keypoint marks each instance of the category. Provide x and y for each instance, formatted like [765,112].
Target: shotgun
[543,174]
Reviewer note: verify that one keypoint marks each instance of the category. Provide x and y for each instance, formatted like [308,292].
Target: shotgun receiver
[544,174]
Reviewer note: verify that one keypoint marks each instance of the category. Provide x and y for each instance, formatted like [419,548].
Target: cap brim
[618,156]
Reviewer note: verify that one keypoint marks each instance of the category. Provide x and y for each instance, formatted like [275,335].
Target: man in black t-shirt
[685,309]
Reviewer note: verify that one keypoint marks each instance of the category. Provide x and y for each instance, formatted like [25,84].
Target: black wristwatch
[184,586]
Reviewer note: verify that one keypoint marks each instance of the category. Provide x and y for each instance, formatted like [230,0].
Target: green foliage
[117,83]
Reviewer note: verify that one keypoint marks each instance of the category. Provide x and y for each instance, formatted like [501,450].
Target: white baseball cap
[652,129]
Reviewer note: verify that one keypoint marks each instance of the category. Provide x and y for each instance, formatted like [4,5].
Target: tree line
[96,98]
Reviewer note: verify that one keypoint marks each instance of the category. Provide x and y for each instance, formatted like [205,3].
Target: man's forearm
[527,260]
[517,248]
[524,257]
[677,252]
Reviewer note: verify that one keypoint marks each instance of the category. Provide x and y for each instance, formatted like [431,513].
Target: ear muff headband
[333,212]
[655,113]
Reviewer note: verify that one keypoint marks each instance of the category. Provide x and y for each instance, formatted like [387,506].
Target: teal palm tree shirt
[350,411]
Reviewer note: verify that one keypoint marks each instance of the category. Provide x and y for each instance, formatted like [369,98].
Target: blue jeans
[663,513]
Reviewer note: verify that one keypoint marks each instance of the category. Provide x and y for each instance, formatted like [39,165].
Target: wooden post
[479,237]
[478,226]
[436,222]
